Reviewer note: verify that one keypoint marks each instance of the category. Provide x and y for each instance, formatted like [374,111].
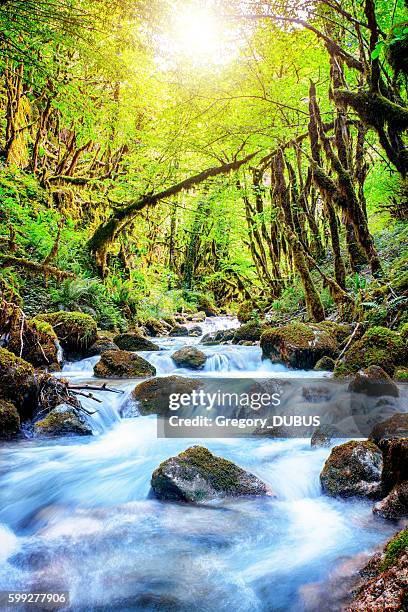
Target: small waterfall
[217,363]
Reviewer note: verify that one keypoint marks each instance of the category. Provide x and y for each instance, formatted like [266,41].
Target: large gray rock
[189,357]
[353,469]
[64,420]
[153,395]
[135,342]
[196,475]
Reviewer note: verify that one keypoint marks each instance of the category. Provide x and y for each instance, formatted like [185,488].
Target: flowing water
[77,514]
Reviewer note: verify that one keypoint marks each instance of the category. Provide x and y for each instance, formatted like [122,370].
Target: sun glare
[201,36]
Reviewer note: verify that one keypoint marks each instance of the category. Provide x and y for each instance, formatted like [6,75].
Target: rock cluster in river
[196,475]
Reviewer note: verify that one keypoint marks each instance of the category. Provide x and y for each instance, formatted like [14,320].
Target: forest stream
[77,514]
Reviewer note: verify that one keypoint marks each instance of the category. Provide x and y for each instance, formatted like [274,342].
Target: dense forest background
[166,155]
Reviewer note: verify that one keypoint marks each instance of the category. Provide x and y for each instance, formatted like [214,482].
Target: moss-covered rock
[123,364]
[353,469]
[76,331]
[250,331]
[298,345]
[179,330]
[195,331]
[340,331]
[135,342]
[378,346]
[17,382]
[189,357]
[64,420]
[374,382]
[102,344]
[222,336]
[394,427]
[153,395]
[196,475]
[325,364]
[45,351]
[9,419]
[384,584]
[158,327]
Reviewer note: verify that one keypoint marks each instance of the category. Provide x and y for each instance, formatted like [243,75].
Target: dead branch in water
[95,388]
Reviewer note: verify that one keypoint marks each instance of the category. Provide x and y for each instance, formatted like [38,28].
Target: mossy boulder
[378,346]
[179,330]
[157,327]
[353,469]
[195,331]
[222,336]
[298,345]
[374,382]
[340,331]
[64,420]
[153,395]
[249,332]
[45,351]
[196,475]
[189,357]
[123,364]
[325,364]
[17,381]
[76,331]
[9,419]
[101,344]
[134,342]
[383,587]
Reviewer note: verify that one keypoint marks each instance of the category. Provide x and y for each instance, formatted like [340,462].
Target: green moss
[379,346]
[75,330]
[250,331]
[223,475]
[9,419]
[394,549]
[401,374]
[298,345]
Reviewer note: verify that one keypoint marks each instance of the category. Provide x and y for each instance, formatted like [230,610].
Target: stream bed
[77,515]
